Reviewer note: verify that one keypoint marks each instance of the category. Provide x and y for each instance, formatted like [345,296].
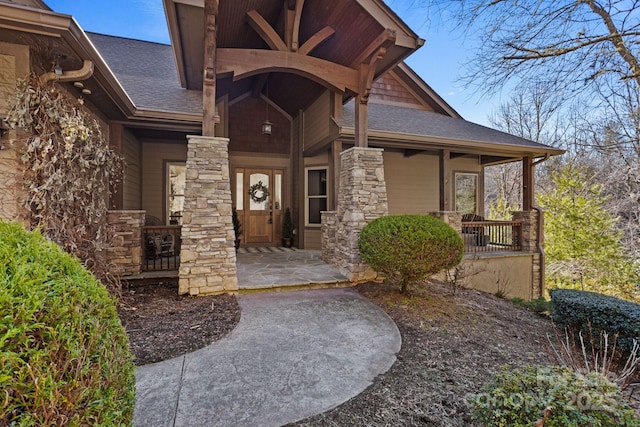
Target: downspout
[67,76]
[540,236]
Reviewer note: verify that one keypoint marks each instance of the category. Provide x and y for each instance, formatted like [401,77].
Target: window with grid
[317,195]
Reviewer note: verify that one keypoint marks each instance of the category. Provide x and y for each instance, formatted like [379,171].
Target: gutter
[477,147]
[540,236]
[68,76]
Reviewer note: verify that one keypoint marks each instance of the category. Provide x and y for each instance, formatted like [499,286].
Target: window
[466,192]
[316,194]
[176,181]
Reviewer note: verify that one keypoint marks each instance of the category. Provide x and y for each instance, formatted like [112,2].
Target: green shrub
[538,305]
[410,247]
[64,355]
[581,310]
[519,398]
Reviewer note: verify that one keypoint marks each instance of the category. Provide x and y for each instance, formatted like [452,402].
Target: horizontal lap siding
[465,164]
[316,121]
[14,63]
[132,187]
[313,239]
[412,183]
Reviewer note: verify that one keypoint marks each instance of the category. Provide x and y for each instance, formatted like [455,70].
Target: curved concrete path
[293,355]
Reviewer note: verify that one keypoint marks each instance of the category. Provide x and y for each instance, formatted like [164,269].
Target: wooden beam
[289,17]
[295,31]
[299,180]
[259,84]
[527,183]
[241,63]
[315,40]
[367,72]
[489,160]
[385,39]
[411,153]
[445,180]
[362,122]
[209,117]
[266,31]
[337,108]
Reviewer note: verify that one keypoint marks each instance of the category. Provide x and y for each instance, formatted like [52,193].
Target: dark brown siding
[245,128]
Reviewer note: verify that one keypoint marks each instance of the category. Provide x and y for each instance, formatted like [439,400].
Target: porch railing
[161,247]
[492,236]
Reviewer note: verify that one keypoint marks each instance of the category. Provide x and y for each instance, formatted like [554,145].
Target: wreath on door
[258,192]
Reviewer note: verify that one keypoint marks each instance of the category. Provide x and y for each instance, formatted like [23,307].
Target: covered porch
[258,269]
[153,251]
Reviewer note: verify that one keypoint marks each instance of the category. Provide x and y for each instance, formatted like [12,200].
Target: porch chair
[160,245]
[476,234]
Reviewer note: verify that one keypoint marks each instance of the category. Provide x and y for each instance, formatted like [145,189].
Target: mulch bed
[451,345]
[161,325]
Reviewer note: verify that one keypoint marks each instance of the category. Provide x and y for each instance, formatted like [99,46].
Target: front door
[259,203]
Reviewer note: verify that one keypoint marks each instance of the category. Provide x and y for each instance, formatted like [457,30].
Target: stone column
[537,276]
[362,197]
[453,218]
[208,255]
[328,219]
[530,244]
[529,229]
[125,251]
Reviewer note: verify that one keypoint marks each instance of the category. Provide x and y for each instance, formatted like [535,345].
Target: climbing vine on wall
[67,169]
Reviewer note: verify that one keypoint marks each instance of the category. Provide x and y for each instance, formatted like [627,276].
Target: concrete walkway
[293,355]
[276,267]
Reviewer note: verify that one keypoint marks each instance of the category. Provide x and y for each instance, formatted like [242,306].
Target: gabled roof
[419,86]
[294,48]
[357,24]
[407,126]
[147,72]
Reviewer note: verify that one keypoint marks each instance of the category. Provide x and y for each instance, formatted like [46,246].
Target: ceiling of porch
[358,27]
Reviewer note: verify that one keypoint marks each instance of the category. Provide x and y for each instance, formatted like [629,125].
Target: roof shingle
[412,121]
[148,74]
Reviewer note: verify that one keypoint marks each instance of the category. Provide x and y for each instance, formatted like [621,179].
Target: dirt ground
[451,345]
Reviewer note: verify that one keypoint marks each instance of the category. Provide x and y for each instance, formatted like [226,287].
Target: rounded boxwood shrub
[64,355]
[520,398]
[410,247]
[580,310]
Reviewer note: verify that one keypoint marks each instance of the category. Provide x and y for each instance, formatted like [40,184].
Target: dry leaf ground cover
[451,345]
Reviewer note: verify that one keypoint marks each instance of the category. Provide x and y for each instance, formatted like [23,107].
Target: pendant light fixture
[267,125]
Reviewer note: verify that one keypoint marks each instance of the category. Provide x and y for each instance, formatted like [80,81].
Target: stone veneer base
[208,255]
[362,197]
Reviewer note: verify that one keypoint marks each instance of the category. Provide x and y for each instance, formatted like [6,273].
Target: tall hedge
[410,247]
[582,310]
[64,355]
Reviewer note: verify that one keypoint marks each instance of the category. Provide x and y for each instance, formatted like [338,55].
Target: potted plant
[237,227]
[287,229]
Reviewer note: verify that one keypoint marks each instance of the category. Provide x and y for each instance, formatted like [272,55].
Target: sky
[439,62]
